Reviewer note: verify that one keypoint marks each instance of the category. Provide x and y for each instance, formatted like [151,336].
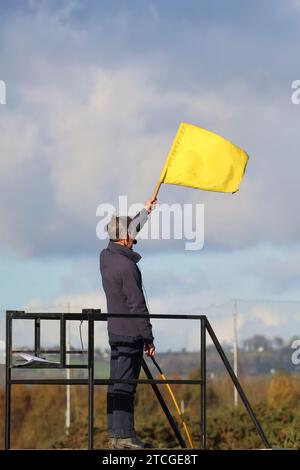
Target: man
[128,336]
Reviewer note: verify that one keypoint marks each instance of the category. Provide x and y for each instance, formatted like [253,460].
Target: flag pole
[157,188]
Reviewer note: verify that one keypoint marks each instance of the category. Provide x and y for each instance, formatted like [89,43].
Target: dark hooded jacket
[122,284]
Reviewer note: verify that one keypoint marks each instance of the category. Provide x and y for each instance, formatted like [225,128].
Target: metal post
[37,336]
[237,385]
[203,384]
[68,376]
[165,409]
[7,381]
[62,340]
[91,379]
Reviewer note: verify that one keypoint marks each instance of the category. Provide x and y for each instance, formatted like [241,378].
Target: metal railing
[92,315]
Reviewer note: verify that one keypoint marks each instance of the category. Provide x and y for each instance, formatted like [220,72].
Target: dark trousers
[125,363]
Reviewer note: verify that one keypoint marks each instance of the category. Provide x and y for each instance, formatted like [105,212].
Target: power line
[268,300]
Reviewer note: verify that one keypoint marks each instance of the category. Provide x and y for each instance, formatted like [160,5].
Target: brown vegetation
[38,414]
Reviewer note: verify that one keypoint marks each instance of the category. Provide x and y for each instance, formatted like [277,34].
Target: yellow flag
[201,159]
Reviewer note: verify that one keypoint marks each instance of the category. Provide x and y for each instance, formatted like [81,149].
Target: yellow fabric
[201,159]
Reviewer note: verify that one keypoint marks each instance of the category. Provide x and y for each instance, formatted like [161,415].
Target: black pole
[62,340]
[37,336]
[203,384]
[237,385]
[163,404]
[91,379]
[7,380]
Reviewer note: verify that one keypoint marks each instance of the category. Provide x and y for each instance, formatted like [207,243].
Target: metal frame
[92,315]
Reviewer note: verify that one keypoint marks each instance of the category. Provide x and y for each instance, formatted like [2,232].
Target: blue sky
[95,92]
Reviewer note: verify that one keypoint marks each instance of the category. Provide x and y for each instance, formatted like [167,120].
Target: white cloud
[268,316]
[253,318]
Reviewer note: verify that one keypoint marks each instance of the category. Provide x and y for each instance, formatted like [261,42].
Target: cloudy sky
[95,93]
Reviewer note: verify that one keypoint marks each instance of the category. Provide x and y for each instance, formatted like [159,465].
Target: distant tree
[256,343]
[277,343]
